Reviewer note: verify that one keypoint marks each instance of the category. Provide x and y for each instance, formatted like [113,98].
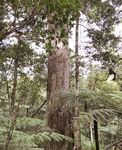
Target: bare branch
[38,109]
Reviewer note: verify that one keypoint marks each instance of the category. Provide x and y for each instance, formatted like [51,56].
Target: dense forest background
[60,75]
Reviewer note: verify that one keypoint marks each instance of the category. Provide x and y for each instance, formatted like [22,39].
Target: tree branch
[22,25]
[38,109]
[113,144]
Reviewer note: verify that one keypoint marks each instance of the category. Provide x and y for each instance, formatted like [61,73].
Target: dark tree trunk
[77,54]
[96,134]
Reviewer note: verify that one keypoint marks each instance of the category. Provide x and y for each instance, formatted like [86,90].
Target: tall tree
[59,118]
[77,134]
[59,114]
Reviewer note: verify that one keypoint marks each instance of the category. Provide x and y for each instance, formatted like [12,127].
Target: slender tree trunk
[13,94]
[96,134]
[77,54]
[12,112]
[91,135]
[38,109]
[90,125]
[10,133]
[77,134]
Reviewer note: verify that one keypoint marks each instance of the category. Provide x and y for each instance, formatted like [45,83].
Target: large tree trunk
[59,117]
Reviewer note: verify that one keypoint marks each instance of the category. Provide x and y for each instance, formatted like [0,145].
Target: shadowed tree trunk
[77,54]
[96,134]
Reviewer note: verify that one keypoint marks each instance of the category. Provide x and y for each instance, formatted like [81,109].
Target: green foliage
[103,105]
[86,143]
[110,87]
[111,129]
[95,99]
[28,22]
[24,123]
[19,138]
[101,26]
[29,133]
[48,136]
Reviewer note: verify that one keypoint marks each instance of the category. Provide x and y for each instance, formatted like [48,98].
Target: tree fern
[32,140]
[23,123]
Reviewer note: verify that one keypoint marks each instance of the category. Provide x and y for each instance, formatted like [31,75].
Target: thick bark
[59,117]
